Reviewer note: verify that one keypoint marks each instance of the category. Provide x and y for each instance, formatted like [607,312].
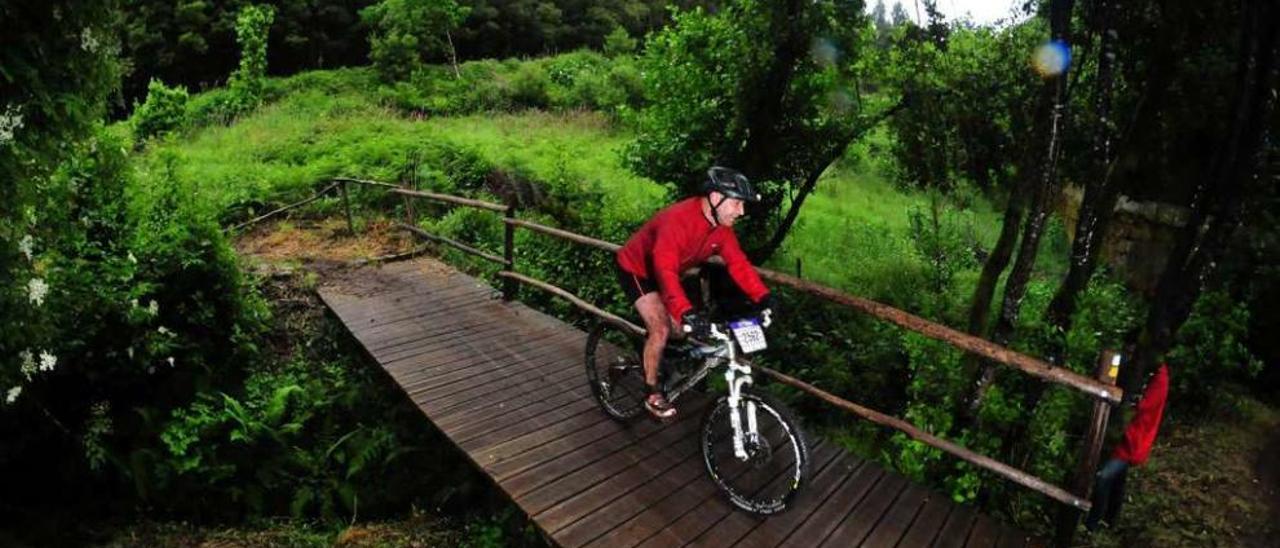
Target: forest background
[159,378]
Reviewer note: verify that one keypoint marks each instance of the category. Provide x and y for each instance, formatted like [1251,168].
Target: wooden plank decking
[505,383]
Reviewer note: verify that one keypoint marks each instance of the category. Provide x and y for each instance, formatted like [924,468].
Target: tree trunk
[1216,202]
[1052,99]
[980,308]
[765,105]
[1098,204]
[1100,192]
[453,55]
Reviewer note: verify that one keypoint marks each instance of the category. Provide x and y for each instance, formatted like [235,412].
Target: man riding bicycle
[684,235]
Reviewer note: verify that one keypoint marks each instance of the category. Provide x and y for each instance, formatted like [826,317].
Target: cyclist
[677,238]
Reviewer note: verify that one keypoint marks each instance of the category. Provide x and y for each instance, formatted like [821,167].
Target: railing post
[346,204]
[1090,450]
[510,286]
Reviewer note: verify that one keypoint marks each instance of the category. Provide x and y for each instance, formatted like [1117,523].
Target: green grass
[285,149]
[853,232]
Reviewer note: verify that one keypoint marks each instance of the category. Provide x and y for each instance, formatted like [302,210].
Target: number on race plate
[749,334]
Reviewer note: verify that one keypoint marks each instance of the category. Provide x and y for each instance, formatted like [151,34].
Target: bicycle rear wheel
[615,370]
[777,461]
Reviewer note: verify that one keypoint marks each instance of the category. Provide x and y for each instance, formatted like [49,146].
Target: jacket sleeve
[1140,435]
[740,268]
[666,267]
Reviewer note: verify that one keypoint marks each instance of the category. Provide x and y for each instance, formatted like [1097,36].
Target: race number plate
[749,334]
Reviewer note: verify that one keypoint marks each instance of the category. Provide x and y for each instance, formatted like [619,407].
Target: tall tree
[404,32]
[768,87]
[1036,190]
[1216,201]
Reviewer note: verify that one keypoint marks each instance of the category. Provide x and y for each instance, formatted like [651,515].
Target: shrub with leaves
[402,32]
[165,110]
[247,82]
[619,42]
[1211,351]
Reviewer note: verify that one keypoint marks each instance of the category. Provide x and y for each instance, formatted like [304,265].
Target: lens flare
[824,52]
[1051,59]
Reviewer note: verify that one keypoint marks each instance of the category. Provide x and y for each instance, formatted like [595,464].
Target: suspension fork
[737,376]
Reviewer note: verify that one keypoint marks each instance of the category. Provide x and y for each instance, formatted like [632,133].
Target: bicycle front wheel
[775,463]
[615,370]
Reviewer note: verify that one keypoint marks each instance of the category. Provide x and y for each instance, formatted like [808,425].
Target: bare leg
[654,314]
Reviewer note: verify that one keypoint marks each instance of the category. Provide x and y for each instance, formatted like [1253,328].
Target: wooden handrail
[964,341]
[565,234]
[451,199]
[364,182]
[982,461]
[958,339]
[577,301]
[456,244]
[282,209]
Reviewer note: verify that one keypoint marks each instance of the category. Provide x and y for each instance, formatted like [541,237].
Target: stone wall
[1139,240]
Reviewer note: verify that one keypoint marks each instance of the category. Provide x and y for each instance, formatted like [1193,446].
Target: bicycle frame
[737,375]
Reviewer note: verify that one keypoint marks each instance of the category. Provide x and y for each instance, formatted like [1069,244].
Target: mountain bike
[752,444]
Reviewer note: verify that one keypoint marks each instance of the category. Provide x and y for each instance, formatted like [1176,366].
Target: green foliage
[693,72]
[530,86]
[193,42]
[404,31]
[149,309]
[164,111]
[619,42]
[967,104]
[282,447]
[58,65]
[768,87]
[247,82]
[1211,351]
[576,80]
[945,246]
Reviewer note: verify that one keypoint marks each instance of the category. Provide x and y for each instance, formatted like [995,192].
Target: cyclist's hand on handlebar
[768,306]
[695,324]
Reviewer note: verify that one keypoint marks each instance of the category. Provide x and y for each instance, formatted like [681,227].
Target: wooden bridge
[506,384]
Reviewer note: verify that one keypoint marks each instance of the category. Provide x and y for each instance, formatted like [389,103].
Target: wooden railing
[1102,389]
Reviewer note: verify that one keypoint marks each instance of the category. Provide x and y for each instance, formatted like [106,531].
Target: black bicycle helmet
[731,183]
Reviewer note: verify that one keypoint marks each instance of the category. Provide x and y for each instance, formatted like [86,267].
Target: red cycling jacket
[1141,432]
[678,238]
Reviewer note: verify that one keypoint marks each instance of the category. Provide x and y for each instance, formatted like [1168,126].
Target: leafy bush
[530,85]
[1211,351]
[248,81]
[149,308]
[403,31]
[165,110]
[619,42]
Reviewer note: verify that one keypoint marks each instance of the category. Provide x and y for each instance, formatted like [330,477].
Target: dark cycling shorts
[635,286]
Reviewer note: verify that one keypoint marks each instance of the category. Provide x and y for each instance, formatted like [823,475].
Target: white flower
[87,41]
[36,290]
[12,395]
[26,245]
[153,307]
[132,259]
[10,121]
[47,361]
[170,360]
[134,303]
[28,363]
[130,352]
[163,330]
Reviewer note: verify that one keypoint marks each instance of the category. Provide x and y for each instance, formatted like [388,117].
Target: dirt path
[1268,475]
